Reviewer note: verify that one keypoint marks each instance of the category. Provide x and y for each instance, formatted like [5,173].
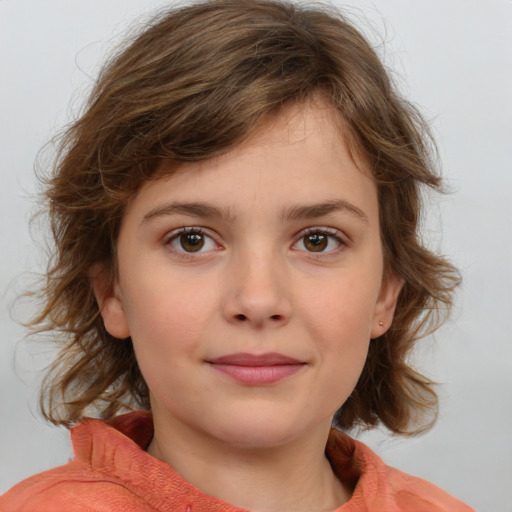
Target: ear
[111,306]
[386,304]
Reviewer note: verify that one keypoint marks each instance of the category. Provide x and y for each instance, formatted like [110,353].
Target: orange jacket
[112,472]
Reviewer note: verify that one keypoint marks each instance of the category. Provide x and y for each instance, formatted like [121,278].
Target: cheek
[339,320]
[164,336]
[341,310]
[164,320]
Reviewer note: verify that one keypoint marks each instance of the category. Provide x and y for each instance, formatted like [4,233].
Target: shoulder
[413,493]
[381,487]
[71,488]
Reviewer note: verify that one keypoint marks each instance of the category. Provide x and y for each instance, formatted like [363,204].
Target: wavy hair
[194,83]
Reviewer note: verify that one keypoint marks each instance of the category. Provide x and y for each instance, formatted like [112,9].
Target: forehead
[308,125]
[299,155]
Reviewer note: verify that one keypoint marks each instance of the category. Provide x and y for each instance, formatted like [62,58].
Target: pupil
[316,243]
[192,242]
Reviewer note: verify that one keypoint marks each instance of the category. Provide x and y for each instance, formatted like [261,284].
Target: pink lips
[257,370]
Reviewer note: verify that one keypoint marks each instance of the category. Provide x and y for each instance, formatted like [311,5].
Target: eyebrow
[194,209]
[321,209]
[205,210]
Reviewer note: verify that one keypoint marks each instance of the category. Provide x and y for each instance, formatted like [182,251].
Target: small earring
[381,323]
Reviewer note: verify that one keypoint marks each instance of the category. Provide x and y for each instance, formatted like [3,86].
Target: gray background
[452,57]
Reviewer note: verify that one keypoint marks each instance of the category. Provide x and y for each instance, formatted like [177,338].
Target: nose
[258,291]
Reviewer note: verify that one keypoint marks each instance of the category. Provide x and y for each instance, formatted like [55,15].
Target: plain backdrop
[453,58]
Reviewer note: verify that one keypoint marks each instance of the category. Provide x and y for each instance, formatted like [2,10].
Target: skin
[257,285]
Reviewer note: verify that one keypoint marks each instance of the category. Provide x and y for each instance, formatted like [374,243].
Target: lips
[251,369]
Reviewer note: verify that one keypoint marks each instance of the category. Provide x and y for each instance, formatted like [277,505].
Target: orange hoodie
[111,472]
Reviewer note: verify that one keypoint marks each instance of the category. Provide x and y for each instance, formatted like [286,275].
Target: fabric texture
[111,472]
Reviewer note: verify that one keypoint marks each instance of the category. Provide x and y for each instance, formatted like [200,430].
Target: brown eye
[319,240]
[192,242]
[316,242]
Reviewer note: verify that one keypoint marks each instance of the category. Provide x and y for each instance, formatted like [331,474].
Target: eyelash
[192,230]
[329,233]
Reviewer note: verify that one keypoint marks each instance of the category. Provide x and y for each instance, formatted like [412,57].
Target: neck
[292,476]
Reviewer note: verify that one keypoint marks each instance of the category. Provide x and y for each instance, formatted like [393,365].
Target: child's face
[271,250]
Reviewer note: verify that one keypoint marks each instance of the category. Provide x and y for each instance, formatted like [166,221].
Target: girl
[237,260]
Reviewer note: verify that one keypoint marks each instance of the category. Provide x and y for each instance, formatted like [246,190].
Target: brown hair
[196,82]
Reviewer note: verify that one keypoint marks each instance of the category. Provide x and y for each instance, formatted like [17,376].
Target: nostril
[241,317]
[276,317]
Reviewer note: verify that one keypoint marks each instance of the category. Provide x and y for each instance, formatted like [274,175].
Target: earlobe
[386,305]
[111,306]
[114,318]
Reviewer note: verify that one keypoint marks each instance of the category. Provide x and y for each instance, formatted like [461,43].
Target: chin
[259,432]
[254,439]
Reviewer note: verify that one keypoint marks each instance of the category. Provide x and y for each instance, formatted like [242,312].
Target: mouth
[257,370]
